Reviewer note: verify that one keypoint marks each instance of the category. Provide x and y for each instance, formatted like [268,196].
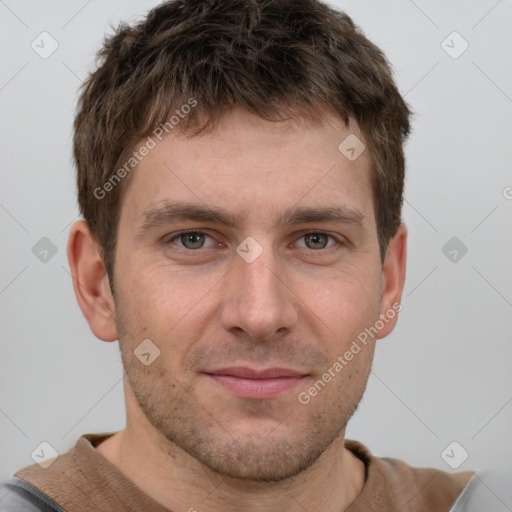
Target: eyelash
[339,242]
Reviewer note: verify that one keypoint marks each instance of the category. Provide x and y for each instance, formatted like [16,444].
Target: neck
[178,481]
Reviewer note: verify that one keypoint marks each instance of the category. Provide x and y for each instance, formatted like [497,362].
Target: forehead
[256,168]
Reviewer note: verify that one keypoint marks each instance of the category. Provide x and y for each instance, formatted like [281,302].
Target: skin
[188,441]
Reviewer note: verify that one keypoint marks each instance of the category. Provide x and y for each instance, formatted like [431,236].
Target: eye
[317,240]
[192,240]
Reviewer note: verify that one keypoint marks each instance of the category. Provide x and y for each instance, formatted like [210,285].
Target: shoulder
[18,495]
[489,489]
[408,488]
[424,488]
[56,484]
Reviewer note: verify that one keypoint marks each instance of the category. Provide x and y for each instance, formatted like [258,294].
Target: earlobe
[393,279]
[90,282]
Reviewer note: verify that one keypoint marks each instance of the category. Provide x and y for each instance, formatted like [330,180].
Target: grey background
[445,373]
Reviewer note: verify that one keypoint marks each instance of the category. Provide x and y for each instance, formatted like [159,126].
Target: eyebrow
[169,212]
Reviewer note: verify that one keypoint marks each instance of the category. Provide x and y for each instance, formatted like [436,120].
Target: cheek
[347,307]
[166,305]
[348,296]
[160,293]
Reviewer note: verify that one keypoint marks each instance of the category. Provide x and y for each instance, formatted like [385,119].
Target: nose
[258,300]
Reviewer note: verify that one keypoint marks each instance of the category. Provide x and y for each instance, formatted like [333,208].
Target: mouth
[256,384]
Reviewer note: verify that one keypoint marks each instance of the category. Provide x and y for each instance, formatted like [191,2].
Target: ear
[90,282]
[393,278]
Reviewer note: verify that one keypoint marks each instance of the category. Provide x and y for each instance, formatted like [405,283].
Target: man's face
[298,305]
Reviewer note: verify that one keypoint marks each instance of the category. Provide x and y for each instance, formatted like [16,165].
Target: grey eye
[316,240]
[192,240]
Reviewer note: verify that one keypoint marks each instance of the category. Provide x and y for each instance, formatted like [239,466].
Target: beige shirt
[83,480]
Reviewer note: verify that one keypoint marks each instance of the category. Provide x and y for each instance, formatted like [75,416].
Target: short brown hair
[276,59]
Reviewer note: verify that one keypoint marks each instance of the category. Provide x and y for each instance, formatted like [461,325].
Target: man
[240,174]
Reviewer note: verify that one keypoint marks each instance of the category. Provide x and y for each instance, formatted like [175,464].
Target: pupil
[316,238]
[194,239]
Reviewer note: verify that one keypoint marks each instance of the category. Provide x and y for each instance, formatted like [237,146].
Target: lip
[257,384]
[245,372]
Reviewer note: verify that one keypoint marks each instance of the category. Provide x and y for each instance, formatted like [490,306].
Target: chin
[253,457]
